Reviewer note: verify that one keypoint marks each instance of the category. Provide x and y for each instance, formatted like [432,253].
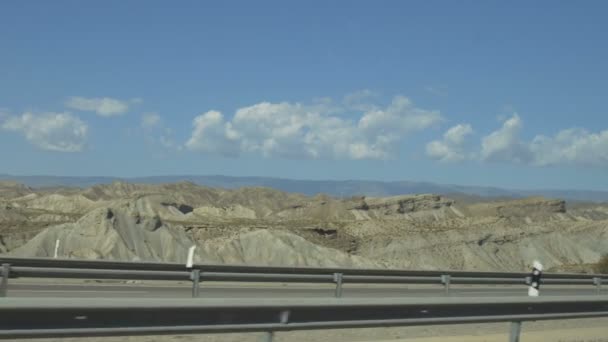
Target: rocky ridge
[123,221]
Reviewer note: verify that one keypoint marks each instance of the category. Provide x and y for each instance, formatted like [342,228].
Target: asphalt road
[121,290]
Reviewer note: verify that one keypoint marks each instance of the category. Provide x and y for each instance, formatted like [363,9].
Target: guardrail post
[338,281]
[284,319]
[445,280]
[515,332]
[598,284]
[195,276]
[6,272]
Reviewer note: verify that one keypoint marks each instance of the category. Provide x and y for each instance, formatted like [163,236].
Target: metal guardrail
[80,317]
[153,266]
[85,269]
[24,318]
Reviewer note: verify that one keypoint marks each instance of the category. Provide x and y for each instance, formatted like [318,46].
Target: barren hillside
[126,221]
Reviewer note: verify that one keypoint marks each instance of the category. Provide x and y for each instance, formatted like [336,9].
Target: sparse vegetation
[602,265]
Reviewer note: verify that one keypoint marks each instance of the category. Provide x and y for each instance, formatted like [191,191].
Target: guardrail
[154,266]
[87,269]
[80,317]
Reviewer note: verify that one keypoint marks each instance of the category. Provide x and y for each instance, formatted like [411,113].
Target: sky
[509,94]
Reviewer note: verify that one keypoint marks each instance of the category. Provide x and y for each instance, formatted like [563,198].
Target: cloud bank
[451,147]
[60,132]
[102,106]
[315,131]
[572,146]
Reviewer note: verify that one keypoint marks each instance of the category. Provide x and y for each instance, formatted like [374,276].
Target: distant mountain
[57,181]
[339,188]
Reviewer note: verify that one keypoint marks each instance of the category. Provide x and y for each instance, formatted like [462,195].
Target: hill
[257,225]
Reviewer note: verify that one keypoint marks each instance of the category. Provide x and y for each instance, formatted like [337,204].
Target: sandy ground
[583,330]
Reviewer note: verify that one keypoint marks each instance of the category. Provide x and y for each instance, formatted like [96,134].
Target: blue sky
[469,92]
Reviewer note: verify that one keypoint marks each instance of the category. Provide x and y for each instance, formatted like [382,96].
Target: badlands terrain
[262,226]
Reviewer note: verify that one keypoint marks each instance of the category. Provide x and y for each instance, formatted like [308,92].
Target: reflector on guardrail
[56,254]
[190,260]
[537,271]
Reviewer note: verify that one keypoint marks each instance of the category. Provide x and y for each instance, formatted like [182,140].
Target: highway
[159,290]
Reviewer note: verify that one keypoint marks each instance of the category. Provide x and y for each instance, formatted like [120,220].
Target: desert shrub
[602,265]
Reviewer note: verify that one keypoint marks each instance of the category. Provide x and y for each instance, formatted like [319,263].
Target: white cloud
[458,133]
[103,106]
[359,100]
[156,133]
[211,134]
[573,146]
[294,130]
[61,132]
[399,117]
[505,145]
[149,120]
[451,147]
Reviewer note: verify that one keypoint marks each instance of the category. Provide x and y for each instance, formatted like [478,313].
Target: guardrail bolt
[6,272]
[445,280]
[338,281]
[195,276]
[515,332]
[598,284]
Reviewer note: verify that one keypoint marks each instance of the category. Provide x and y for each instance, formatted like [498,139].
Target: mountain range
[264,226]
[338,188]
